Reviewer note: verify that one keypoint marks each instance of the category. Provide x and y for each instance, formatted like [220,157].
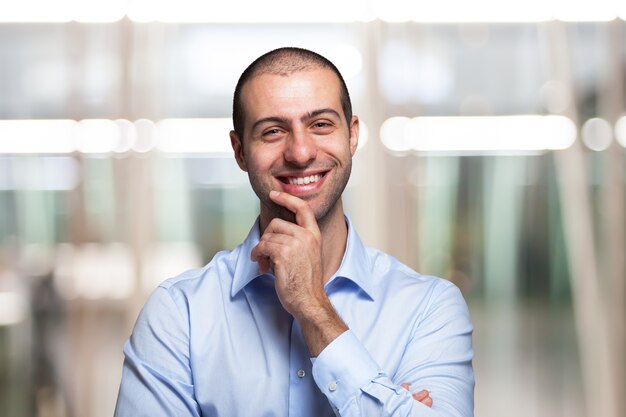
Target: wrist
[320,326]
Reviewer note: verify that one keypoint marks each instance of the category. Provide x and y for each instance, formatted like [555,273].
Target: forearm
[355,385]
[321,325]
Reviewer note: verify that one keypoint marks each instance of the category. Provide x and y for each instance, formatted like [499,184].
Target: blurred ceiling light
[454,11]
[478,134]
[88,11]
[35,11]
[620,131]
[394,134]
[325,11]
[195,136]
[13,308]
[37,136]
[597,134]
[246,11]
[97,136]
[586,11]
[145,136]
[98,11]
[128,136]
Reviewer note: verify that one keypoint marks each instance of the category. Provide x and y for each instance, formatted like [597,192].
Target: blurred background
[493,155]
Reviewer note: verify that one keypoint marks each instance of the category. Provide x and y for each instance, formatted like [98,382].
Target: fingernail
[274,193]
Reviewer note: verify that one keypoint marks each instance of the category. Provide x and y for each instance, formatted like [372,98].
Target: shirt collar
[355,265]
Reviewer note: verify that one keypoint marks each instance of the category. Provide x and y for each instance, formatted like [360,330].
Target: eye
[322,126]
[272,132]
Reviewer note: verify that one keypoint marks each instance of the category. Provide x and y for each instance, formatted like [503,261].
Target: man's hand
[423,396]
[294,252]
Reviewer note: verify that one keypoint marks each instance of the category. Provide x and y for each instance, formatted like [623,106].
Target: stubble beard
[322,211]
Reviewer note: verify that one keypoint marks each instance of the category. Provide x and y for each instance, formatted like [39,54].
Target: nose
[301,148]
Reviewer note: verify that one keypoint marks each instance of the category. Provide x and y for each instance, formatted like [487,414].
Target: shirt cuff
[343,368]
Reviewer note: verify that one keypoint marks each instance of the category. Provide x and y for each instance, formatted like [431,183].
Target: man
[301,319]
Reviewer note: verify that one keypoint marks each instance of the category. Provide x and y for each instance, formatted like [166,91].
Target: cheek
[340,151]
[261,159]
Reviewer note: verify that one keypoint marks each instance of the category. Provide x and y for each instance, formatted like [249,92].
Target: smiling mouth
[310,179]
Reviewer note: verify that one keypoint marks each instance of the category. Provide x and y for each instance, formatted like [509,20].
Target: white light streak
[452,11]
[246,11]
[195,136]
[325,11]
[37,136]
[97,136]
[60,11]
[586,11]
[478,134]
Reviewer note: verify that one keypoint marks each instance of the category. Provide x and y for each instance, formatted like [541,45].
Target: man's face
[296,140]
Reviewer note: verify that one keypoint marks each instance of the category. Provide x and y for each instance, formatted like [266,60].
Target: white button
[332,387]
[301,373]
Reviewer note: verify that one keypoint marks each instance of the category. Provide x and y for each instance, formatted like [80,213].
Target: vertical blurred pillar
[598,368]
[372,218]
[142,76]
[613,211]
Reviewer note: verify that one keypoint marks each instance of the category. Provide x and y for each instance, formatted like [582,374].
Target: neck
[334,240]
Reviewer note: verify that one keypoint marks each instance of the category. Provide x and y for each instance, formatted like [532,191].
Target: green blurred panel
[502,222]
[437,215]
[99,199]
[172,203]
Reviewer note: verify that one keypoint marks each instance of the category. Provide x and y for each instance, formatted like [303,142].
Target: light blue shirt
[217,342]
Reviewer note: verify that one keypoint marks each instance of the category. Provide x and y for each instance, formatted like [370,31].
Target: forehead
[292,95]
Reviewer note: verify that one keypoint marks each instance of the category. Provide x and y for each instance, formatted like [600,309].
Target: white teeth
[305,180]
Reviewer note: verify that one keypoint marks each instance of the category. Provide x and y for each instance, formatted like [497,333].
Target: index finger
[304,215]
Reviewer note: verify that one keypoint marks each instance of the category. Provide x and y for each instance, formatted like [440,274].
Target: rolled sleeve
[343,368]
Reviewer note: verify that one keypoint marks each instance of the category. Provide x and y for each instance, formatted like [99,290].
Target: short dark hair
[285,61]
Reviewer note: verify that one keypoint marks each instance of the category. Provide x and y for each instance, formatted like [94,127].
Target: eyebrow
[319,112]
[307,116]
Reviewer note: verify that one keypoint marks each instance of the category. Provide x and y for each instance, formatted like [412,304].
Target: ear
[238,150]
[354,134]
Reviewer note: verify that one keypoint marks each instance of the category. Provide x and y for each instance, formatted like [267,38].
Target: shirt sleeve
[156,377]
[438,357]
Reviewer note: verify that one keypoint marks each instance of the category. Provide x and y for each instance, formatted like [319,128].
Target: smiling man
[301,319]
